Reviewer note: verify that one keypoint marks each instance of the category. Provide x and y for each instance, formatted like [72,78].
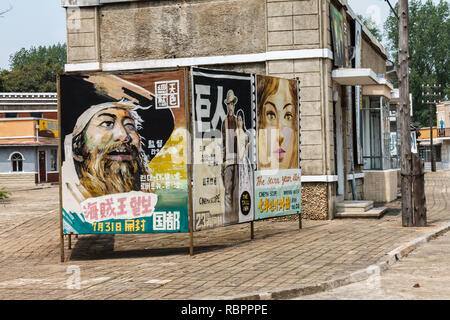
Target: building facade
[344,73]
[28,139]
[441,138]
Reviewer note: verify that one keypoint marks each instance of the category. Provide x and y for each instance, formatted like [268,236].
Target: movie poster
[224,147]
[337,32]
[124,161]
[278,175]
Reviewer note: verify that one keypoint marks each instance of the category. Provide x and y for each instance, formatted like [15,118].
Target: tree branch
[5,11]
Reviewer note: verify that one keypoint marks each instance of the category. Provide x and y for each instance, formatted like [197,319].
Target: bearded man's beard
[100,175]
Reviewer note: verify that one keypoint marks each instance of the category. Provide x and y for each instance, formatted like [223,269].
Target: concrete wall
[359,183]
[370,58]
[145,30]
[293,24]
[380,186]
[82,35]
[19,180]
[29,154]
[11,182]
[17,128]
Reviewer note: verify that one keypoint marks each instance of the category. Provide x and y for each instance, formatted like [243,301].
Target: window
[11,115]
[376,134]
[395,138]
[53,160]
[425,152]
[36,114]
[17,162]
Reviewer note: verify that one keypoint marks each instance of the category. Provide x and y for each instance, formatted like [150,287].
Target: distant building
[28,139]
[349,141]
[441,138]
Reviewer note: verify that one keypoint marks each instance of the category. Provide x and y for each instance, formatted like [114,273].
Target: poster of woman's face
[277,123]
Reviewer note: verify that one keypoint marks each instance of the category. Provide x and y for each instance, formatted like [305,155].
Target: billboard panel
[224,147]
[337,32]
[48,128]
[124,163]
[277,193]
[277,181]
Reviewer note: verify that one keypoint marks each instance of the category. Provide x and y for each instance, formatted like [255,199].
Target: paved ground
[227,264]
[424,274]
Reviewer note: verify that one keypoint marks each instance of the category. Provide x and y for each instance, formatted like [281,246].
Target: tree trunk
[405,135]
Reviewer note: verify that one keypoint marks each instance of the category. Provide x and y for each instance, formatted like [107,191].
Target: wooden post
[70,241]
[300,220]
[61,231]
[420,208]
[188,78]
[191,239]
[405,119]
[252,230]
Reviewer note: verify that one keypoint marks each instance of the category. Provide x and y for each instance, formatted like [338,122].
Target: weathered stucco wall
[380,186]
[162,29]
[293,24]
[257,67]
[371,58]
[82,35]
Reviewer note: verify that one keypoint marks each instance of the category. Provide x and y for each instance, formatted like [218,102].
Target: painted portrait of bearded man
[106,149]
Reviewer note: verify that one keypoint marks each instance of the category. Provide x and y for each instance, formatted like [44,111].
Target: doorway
[42,167]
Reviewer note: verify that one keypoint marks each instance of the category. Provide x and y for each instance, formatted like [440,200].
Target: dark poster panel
[224,147]
[337,32]
[124,162]
[278,178]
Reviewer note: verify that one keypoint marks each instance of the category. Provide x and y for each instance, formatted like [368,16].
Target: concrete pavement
[281,262]
[423,275]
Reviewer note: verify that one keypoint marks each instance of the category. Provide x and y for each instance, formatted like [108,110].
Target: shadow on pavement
[99,247]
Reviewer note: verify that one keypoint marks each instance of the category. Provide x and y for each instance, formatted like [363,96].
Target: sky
[30,23]
[378,10]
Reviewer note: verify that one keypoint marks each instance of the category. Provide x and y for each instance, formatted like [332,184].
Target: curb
[360,275]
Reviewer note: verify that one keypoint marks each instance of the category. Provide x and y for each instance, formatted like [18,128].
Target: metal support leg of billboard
[299,220]
[252,230]
[61,232]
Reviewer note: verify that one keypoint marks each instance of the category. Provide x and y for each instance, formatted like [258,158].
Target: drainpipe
[349,121]
[36,126]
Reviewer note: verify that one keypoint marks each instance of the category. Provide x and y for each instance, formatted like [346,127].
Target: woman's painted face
[240,122]
[278,120]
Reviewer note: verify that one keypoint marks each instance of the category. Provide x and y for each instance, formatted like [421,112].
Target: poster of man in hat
[124,160]
[224,147]
[229,157]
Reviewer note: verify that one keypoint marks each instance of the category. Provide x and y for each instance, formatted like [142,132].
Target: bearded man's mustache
[102,173]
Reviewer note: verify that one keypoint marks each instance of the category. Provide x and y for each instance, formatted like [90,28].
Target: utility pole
[405,118]
[414,210]
[431,97]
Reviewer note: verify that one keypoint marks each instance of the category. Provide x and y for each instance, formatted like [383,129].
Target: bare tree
[2,12]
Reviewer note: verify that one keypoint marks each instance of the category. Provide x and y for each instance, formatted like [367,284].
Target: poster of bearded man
[124,163]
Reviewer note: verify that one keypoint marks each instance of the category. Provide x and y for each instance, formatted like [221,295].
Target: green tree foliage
[429,47]
[372,26]
[34,69]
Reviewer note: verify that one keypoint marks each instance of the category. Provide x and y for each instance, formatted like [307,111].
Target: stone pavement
[424,275]
[226,265]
